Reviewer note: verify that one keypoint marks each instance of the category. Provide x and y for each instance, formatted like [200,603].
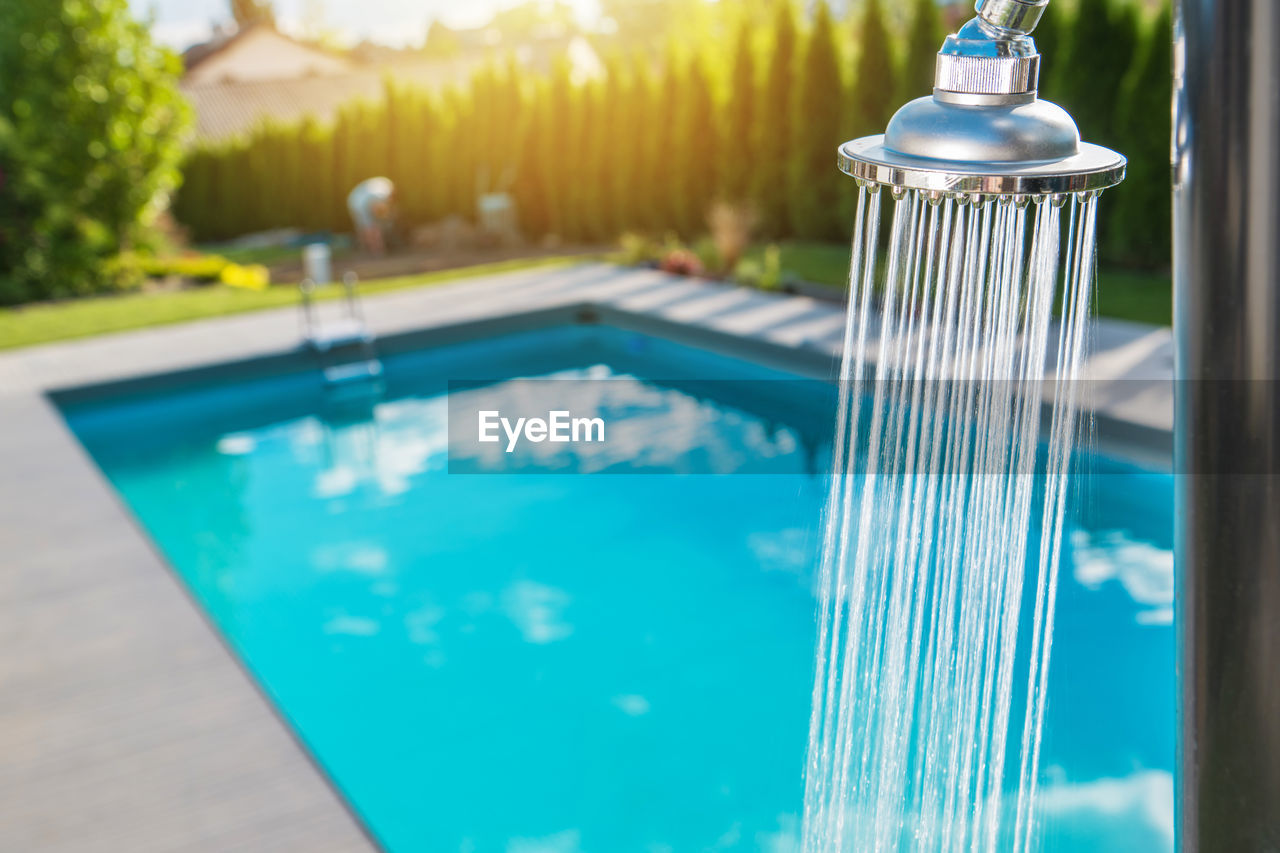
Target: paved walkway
[125,724]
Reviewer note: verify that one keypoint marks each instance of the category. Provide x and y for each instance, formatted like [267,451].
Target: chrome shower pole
[1227,325]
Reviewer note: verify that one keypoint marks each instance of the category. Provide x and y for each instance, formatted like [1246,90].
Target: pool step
[341,333]
[344,345]
[354,371]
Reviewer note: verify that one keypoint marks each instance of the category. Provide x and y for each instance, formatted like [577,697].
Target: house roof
[232,93]
[222,40]
[258,52]
[227,109]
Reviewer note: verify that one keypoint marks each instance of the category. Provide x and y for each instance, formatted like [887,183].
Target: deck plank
[125,724]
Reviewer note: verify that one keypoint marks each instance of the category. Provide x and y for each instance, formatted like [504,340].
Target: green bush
[90,140]
[764,272]
[199,269]
[636,249]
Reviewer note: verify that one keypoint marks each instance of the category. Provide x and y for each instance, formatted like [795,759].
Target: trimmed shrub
[89,144]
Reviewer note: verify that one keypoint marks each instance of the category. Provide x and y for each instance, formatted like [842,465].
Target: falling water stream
[956,423]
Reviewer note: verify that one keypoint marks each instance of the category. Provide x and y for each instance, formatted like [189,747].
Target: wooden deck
[125,724]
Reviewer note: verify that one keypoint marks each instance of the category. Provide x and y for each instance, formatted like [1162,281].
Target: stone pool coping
[125,722]
[1131,364]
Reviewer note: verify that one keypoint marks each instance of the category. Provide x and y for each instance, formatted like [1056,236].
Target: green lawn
[265,255]
[54,321]
[1130,295]
[1125,294]
[820,263]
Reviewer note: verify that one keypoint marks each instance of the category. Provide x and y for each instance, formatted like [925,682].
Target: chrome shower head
[984,130]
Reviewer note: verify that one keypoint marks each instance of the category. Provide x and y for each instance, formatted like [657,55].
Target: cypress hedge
[1142,207]
[772,136]
[815,186]
[915,79]
[739,121]
[874,93]
[650,146]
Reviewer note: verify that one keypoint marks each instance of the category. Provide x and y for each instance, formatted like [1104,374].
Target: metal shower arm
[1010,18]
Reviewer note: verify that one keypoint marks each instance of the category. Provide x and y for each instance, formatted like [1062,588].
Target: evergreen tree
[316,190]
[874,95]
[739,132]
[667,150]
[459,180]
[610,142]
[1141,211]
[695,185]
[483,105]
[436,143]
[554,154]
[923,40]
[1103,42]
[343,146]
[638,165]
[588,189]
[772,132]
[531,191]
[1049,37]
[570,174]
[816,127]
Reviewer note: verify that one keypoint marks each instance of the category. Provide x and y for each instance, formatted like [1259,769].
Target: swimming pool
[527,661]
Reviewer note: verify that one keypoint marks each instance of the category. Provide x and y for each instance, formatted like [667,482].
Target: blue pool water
[533,662]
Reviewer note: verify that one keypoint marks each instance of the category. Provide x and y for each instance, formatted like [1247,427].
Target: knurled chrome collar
[981,65]
[987,75]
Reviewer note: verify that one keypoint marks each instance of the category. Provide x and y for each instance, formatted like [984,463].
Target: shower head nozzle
[984,130]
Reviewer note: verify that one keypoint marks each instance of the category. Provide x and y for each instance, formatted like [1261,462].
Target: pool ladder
[345,346]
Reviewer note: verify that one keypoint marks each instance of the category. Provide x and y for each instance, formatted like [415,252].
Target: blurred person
[373,210]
